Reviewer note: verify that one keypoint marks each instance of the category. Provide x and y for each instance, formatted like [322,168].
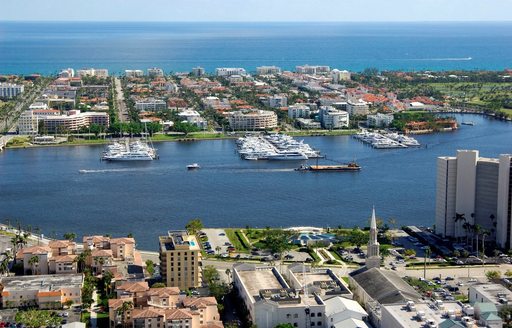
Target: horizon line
[252,22]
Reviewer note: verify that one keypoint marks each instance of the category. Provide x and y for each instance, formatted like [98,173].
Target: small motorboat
[193,166]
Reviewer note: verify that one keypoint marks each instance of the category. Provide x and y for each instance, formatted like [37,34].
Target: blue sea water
[44,187]
[27,47]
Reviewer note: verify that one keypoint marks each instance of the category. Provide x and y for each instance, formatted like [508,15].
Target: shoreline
[190,138]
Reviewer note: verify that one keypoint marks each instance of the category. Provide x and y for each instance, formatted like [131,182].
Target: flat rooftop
[410,319]
[179,240]
[261,278]
[42,283]
[493,292]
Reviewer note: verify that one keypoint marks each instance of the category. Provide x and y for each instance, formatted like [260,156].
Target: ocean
[68,189]
[28,47]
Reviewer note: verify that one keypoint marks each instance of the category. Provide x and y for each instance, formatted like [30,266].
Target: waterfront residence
[228,71]
[43,291]
[358,107]
[74,120]
[35,259]
[379,120]
[338,76]
[131,73]
[331,118]
[268,70]
[253,119]
[155,72]
[180,260]
[299,111]
[96,72]
[474,190]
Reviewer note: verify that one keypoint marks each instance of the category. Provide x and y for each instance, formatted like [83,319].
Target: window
[319,323]
[288,316]
[319,314]
[295,315]
[295,324]
[312,314]
[312,323]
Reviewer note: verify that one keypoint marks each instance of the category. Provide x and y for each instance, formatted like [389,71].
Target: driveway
[217,237]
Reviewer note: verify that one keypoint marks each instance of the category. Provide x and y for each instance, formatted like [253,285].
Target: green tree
[70,236]
[493,275]
[410,252]
[150,267]
[4,264]
[505,314]
[158,285]
[508,273]
[358,237]
[277,241]
[193,226]
[126,307]
[34,263]
[284,325]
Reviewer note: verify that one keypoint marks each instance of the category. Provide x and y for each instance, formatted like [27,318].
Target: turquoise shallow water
[49,47]
[43,186]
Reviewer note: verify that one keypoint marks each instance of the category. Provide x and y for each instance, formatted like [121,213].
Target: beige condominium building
[253,120]
[180,260]
[474,190]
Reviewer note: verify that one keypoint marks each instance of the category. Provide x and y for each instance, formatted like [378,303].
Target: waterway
[43,187]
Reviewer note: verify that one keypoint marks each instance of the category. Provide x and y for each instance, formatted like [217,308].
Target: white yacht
[138,150]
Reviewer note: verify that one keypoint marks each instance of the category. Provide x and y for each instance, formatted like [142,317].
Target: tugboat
[193,166]
[350,167]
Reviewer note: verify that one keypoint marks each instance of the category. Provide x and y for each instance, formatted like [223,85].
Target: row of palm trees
[475,230]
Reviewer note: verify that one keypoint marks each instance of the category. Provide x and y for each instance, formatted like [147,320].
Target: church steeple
[373,256]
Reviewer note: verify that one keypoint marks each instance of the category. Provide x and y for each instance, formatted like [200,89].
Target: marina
[275,147]
[386,140]
[106,197]
[129,150]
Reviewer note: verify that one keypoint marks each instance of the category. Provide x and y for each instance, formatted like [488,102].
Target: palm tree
[34,262]
[107,280]
[123,309]
[459,217]
[427,255]
[218,249]
[81,259]
[4,264]
[477,230]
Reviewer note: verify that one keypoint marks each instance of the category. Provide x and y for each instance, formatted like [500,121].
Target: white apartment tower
[474,190]
[373,256]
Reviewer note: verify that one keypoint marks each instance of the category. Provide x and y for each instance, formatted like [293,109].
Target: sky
[256,10]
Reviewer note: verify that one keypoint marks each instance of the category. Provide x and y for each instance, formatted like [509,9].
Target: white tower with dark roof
[373,256]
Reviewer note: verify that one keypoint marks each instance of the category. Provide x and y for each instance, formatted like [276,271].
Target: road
[120,105]
[26,100]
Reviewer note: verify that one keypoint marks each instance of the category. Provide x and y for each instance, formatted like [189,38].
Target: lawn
[235,238]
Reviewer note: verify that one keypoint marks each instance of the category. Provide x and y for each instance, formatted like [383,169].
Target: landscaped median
[238,240]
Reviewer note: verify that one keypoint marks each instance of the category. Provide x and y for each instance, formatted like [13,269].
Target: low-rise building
[307,69]
[495,294]
[123,248]
[359,107]
[379,120]
[10,90]
[133,73]
[35,259]
[277,101]
[271,301]
[180,259]
[74,120]
[419,315]
[252,120]
[193,117]
[332,118]
[155,72]
[338,76]
[299,110]
[308,124]
[43,291]
[28,123]
[228,71]
[268,70]
[150,104]
[97,72]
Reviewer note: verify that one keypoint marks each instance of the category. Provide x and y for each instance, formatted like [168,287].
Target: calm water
[49,47]
[43,186]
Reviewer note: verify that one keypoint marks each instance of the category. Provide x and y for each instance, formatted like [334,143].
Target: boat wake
[443,59]
[106,171]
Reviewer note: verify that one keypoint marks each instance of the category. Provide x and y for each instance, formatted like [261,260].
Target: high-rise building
[268,70]
[180,258]
[373,256]
[198,71]
[473,190]
[228,71]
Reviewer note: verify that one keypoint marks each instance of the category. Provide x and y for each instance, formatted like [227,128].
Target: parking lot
[217,238]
